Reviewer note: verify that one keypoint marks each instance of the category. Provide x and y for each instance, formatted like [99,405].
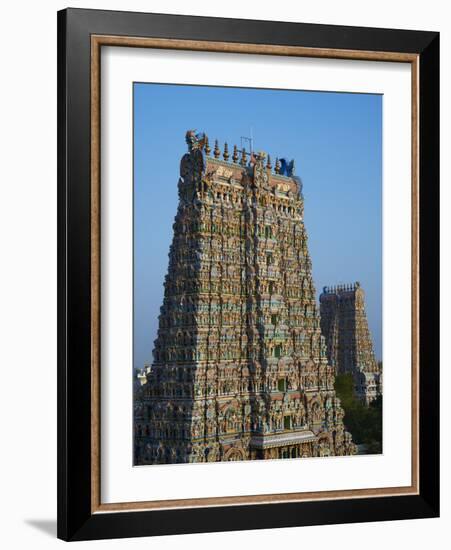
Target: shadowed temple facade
[240,369]
[349,344]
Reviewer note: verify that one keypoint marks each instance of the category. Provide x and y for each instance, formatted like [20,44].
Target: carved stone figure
[286,168]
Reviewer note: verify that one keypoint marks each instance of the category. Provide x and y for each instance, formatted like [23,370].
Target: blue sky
[336,141]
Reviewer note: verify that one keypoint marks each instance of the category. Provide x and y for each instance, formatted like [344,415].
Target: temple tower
[344,325]
[240,368]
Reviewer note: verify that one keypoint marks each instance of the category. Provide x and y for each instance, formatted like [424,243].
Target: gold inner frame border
[97,41]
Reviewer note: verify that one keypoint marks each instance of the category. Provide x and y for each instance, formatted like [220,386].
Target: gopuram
[239,370]
[349,345]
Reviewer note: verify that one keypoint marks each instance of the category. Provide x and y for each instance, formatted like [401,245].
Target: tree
[363,422]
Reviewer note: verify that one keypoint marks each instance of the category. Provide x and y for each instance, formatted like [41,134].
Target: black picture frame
[75,518]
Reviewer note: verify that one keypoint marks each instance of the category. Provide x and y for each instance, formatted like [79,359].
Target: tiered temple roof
[240,369]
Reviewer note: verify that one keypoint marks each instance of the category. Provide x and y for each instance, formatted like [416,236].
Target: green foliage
[363,422]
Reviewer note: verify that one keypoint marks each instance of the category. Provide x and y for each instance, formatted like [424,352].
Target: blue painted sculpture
[286,168]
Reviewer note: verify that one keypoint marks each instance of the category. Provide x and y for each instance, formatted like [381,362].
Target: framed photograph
[248,274]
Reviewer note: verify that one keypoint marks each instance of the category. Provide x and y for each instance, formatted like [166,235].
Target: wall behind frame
[28,274]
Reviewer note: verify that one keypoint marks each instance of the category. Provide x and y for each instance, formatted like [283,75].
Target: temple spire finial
[207,147]
[243,157]
[226,152]
[235,154]
[216,151]
[268,162]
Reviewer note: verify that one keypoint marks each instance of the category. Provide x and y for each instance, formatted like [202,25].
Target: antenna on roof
[249,140]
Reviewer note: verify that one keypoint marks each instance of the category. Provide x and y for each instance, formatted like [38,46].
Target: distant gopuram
[349,345]
[239,367]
